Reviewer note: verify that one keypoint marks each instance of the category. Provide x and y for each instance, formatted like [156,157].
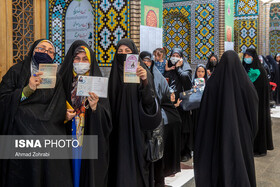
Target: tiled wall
[192,26]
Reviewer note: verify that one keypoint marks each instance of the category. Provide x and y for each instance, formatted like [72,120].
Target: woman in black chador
[258,76]
[134,111]
[213,61]
[93,120]
[227,125]
[26,110]
[170,162]
[180,79]
[275,77]
[200,72]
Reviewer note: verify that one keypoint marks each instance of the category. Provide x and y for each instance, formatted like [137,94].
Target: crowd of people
[231,126]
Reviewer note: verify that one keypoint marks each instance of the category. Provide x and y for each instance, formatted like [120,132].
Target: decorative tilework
[177,29]
[274,34]
[246,7]
[246,34]
[214,37]
[274,37]
[173,1]
[275,16]
[275,11]
[111,24]
[204,31]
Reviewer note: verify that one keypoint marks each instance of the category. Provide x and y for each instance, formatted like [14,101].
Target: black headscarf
[205,76]
[180,78]
[275,57]
[94,173]
[175,50]
[42,113]
[209,64]
[263,140]
[256,64]
[266,66]
[66,69]
[133,110]
[227,125]
[145,54]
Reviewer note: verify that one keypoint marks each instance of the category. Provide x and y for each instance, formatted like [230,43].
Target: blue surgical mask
[248,60]
[41,58]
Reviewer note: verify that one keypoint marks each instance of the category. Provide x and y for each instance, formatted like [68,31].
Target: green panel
[229,20]
[151,5]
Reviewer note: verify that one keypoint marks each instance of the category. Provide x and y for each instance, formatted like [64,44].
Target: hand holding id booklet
[199,83]
[130,67]
[98,85]
[49,75]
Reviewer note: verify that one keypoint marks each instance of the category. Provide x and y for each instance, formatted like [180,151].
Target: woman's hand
[208,72]
[179,63]
[70,114]
[35,80]
[178,102]
[93,100]
[142,73]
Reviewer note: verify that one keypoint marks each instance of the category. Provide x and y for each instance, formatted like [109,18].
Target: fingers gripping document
[49,75]
[98,85]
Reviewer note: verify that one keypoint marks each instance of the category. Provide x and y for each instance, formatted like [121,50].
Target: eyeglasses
[43,50]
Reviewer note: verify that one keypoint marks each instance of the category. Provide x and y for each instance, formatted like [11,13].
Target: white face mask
[174,60]
[81,67]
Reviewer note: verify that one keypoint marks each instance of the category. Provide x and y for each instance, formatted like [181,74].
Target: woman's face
[81,57]
[172,97]
[248,56]
[278,58]
[176,55]
[200,72]
[45,47]
[123,49]
[147,61]
[213,59]
[159,56]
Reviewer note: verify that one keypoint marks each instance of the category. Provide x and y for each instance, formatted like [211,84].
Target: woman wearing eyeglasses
[27,110]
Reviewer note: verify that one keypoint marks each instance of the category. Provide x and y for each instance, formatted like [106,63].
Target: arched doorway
[176,33]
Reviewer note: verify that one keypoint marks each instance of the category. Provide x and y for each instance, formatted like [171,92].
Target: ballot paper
[130,67]
[98,85]
[49,75]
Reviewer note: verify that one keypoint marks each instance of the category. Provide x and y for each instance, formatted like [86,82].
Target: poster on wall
[151,16]
[79,23]
[150,38]
[229,20]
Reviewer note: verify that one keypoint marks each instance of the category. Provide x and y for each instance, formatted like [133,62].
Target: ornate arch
[176,31]
[57,12]
[112,23]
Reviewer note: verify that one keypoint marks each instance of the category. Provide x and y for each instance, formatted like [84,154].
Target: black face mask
[121,58]
[214,62]
[42,58]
